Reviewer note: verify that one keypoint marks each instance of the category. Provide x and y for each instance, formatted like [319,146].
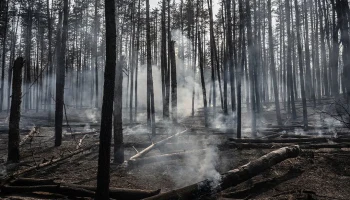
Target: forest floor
[315,174]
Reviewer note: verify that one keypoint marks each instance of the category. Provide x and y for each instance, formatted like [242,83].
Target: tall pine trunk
[60,78]
[103,172]
[272,66]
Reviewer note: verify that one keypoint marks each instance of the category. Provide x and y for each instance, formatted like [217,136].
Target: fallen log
[163,157]
[56,189]
[116,193]
[80,133]
[32,182]
[278,140]
[120,193]
[231,178]
[29,135]
[155,145]
[279,145]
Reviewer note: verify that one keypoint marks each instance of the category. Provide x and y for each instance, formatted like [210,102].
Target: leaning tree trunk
[15,114]
[102,191]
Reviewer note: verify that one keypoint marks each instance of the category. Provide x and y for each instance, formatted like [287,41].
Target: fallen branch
[231,178]
[42,165]
[155,145]
[164,157]
[80,133]
[57,189]
[81,141]
[29,185]
[279,145]
[29,135]
[32,182]
[283,140]
[121,193]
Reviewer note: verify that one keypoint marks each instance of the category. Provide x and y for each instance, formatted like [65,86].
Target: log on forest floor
[29,185]
[163,157]
[232,177]
[280,140]
[279,145]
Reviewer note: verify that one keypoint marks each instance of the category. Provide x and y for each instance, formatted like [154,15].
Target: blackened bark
[289,62]
[118,115]
[173,82]
[272,65]
[3,56]
[150,93]
[103,172]
[15,114]
[201,68]
[301,69]
[60,78]
[164,64]
[230,54]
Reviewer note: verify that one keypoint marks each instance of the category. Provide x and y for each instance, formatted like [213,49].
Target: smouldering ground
[319,174]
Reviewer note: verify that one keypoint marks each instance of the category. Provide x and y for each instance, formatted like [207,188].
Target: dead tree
[4,55]
[13,142]
[173,82]
[289,62]
[150,93]
[273,67]
[102,191]
[60,78]
[301,68]
[201,68]
[117,120]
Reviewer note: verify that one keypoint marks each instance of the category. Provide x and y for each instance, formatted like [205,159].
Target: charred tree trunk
[201,68]
[230,54]
[60,78]
[15,114]
[102,191]
[3,56]
[150,93]
[301,69]
[251,58]
[173,82]
[164,64]
[118,105]
[289,62]
[273,67]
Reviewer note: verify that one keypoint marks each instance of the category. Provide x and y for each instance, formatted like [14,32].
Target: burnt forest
[175,99]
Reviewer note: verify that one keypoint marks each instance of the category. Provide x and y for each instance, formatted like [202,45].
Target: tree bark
[173,82]
[118,114]
[15,114]
[102,191]
[301,69]
[273,67]
[60,78]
